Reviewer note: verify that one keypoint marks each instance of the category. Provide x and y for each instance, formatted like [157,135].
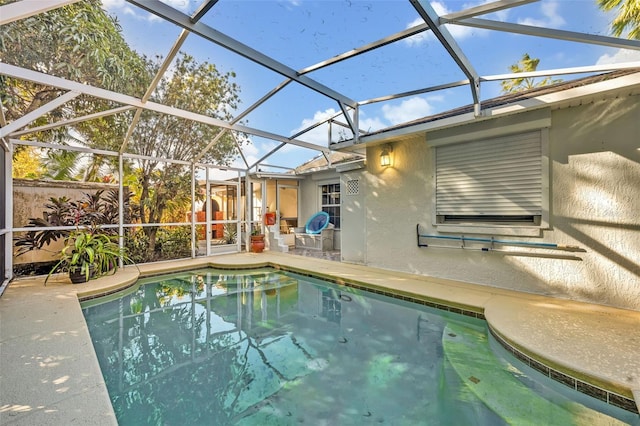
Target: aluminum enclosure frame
[349,109]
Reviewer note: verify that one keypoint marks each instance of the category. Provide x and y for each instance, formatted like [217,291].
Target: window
[330,202]
[497,181]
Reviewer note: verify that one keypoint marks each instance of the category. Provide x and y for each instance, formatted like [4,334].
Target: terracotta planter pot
[257,243]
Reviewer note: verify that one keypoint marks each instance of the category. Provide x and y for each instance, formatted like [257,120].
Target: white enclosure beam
[367,48]
[484,9]
[24,9]
[268,154]
[175,49]
[281,167]
[121,241]
[563,71]
[350,121]
[170,14]
[194,241]
[242,115]
[244,159]
[130,129]
[3,122]
[416,92]
[37,77]
[154,83]
[426,12]
[219,167]
[202,10]
[549,33]
[37,113]
[82,149]
[72,121]
[7,169]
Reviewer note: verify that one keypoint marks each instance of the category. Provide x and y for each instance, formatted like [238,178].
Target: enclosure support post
[194,240]
[239,210]
[248,212]
[121,205]
[7,226]
[207,203]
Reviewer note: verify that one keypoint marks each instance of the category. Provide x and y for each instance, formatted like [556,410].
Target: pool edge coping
[623,396]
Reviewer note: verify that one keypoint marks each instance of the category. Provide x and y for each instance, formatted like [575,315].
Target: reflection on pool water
[261,347]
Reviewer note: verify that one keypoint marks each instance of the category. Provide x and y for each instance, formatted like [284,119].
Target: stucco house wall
[594,186]
[309,195]
[353,187]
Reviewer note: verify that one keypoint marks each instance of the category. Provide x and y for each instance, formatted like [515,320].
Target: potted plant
[88,253]
[230,233]
[257,241]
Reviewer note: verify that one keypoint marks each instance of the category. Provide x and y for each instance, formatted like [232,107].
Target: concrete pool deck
[49,373]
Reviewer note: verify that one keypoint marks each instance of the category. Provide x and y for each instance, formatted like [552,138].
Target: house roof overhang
[562,95]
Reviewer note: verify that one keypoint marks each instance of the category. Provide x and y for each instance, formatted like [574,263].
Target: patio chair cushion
[317,223]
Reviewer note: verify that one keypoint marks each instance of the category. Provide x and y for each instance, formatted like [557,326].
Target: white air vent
[353,187]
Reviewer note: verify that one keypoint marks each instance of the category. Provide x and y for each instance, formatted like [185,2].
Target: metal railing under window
[488,244]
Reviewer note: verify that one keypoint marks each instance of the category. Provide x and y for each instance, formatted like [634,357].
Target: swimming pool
[263,346]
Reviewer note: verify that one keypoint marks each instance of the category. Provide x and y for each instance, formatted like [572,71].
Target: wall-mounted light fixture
[385,155]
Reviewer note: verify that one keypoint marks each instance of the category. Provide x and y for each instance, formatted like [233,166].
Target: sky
[301,33]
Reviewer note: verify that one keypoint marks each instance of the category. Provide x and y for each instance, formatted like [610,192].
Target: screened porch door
[223,216]
[287,206]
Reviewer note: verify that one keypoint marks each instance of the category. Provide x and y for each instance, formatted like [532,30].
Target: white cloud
[620,56]
[407,110]
[250,152]
[123,7]
[177,4]
[551,19]
[459,32]
[113,4]
[319,134]
[371,124]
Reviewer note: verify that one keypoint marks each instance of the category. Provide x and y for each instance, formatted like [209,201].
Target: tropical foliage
[27,164]
[92,211]
[526,64]
[196,87]
[89,253]
[81,42]
[628,18]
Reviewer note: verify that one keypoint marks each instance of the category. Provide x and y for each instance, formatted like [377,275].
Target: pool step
[467,350]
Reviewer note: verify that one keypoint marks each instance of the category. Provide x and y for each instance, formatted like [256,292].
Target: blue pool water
[267,347]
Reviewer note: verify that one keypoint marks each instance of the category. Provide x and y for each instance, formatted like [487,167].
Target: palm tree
[526,64]
[628,16]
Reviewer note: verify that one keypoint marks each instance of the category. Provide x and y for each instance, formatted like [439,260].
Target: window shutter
[499,176]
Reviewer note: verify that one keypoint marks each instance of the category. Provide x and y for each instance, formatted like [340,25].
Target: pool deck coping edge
[454,296]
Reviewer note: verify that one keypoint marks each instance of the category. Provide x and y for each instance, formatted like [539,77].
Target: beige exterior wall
[353,213]
[594,181]
[310,198]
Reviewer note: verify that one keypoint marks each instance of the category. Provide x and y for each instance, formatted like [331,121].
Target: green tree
[196,87]
[628,16]
[526,64]
[27,164]
[78,42]
[81,42]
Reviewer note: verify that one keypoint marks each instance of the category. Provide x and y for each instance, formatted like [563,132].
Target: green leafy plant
[91,210]
[230,233]
[173,243]
[90,253]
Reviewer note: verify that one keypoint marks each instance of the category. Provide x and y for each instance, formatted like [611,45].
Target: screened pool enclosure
[173,199]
